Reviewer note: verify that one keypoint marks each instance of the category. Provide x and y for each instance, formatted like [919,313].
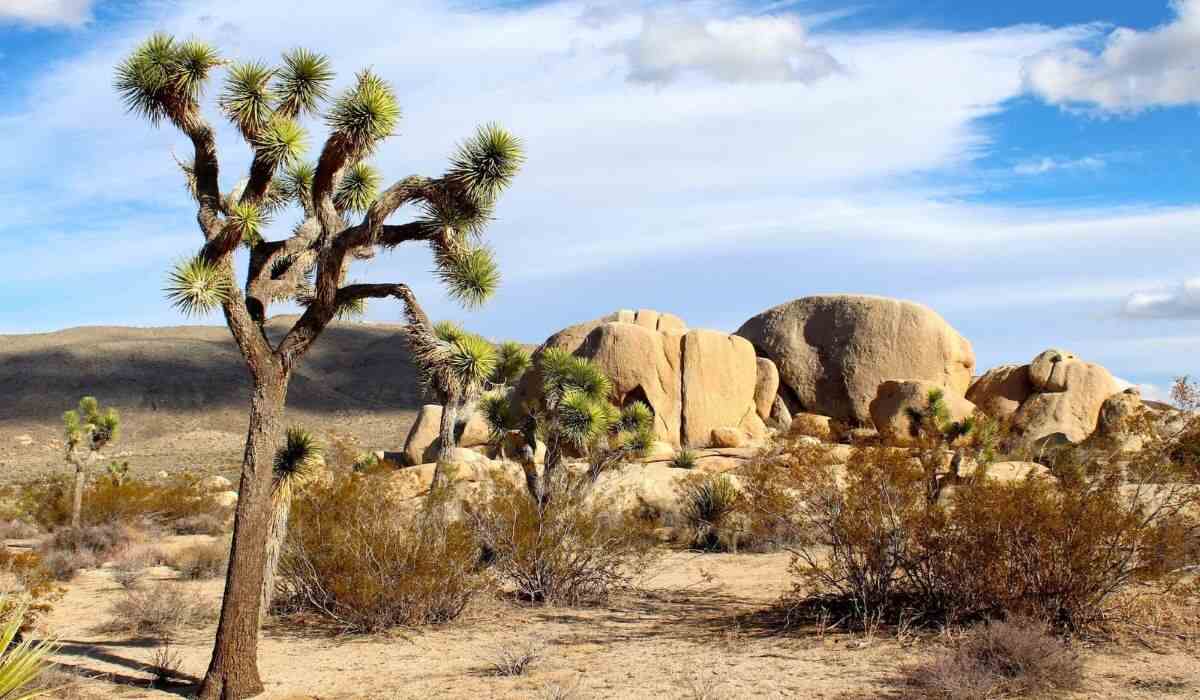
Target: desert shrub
[885,533]
[354,560]
[1000,660]
[202,524]
[711,505]
[18,529]
[63,564]
[98,539]
[108,501]
[514,658]
[201,561]
[576,547]
[684,459]
[159,611]
[26,584]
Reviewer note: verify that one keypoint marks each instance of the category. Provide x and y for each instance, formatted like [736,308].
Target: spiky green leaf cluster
[365,114]
[470,275]
[497,409]
[197,286]
[297,182]
[163,78]
[21,662]
[281,140]
[247,98]
[351,310]
[563,372]
[303,82]
[472,360]
[91,424]
[511,362]
[299,460]
[685,459]
[462,217]
[248,220]
[636,416]
[358,189]
[582,420]
[486,163]
[448,331]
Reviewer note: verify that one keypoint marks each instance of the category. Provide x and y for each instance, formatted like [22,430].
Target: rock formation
[833,352]
[895,402]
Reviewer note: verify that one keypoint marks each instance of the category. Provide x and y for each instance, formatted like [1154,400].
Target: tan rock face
[635,359]
[896,400]
[766,387]
[833,352]
[1072,410]
[422,434]
[1001,390]
[812,425]
[719,375]
[1049,370]
[693,381]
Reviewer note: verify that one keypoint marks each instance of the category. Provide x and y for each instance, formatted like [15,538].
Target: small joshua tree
[573,414]
[87,430]
[455,366]
[511,362]
[163,80]
[296,464]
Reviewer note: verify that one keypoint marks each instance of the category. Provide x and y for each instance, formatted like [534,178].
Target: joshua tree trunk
[281,501]
[450,411]
[77,495]
[233,671]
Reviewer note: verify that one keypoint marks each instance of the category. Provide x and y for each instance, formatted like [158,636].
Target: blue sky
[1025,168]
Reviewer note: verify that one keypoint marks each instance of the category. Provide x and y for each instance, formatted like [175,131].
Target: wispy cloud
[672,45]
[1180,301]
[1046,165]
[1134,69]
[46,13]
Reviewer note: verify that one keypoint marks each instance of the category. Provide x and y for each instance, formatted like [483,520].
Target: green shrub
[684,459]
[352,559]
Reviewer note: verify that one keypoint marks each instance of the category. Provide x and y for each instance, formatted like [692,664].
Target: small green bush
[684,459]
[710,505]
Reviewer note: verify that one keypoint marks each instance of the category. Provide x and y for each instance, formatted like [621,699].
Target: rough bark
[281,502]
[77,500]
[446,438]
[233,672]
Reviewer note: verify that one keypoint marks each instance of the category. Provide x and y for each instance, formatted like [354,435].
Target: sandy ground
[695,630]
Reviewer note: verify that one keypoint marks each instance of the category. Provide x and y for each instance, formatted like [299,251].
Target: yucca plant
[87,430]
[709,503]
[684,459]
[297,463]
[21,662]
[345,211]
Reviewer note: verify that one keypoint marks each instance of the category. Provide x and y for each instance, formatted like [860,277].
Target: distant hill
[183,391]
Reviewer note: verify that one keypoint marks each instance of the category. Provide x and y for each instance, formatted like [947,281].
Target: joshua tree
[162,80]
[296,464]
[455,366]
[511,362]
[87,430]
[574,413]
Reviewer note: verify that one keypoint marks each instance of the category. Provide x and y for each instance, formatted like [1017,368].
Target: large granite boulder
[766,388]
[1001,390]
[694,381]
[834,351]
[423,442]
[1067,398]
[895,402]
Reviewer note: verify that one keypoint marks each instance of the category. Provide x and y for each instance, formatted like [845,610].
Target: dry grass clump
[201,561]
[353,560]
[572,549]
[70,549]
[159,611]
[26,584]
[1016,659]
[515,658]
[128,501]
[18,529]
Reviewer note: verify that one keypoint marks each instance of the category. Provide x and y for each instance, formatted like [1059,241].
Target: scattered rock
[216,483]
[833,351]
[812,425]
[728,437]
[226,499]
[24,440]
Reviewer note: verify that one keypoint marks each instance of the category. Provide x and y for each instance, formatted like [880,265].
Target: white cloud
[1134,69]
[1181,301]
[738,50]
[44,13]
[1046,165]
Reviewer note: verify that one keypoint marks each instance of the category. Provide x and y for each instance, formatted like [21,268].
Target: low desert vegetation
[712,508]
[159,611]
[356,560]
[202,561]
[178,501]
[1005,659]
[891,533]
